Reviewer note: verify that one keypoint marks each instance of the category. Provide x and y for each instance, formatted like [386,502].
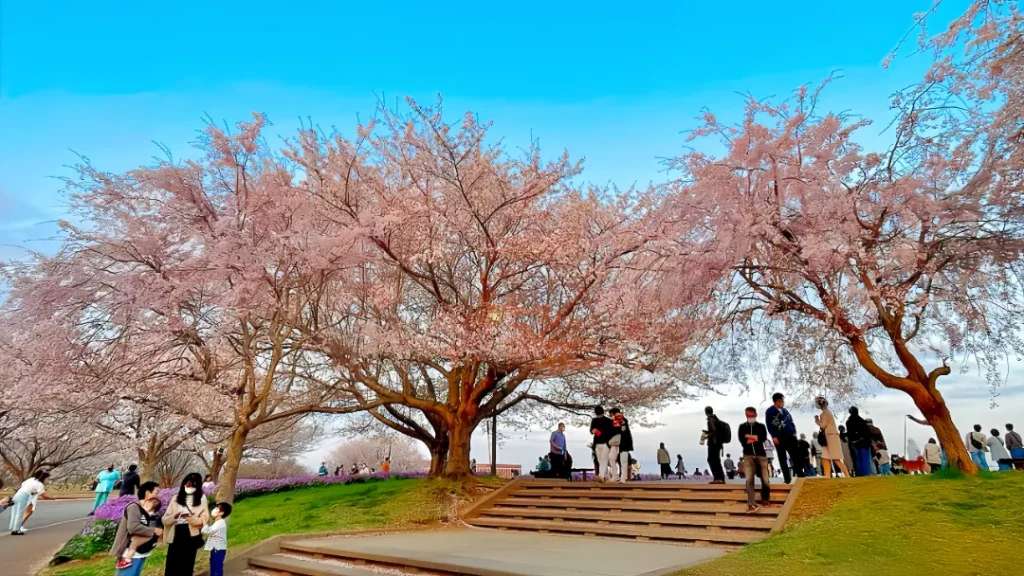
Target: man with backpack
[782,429]
[717,435]
[977,445]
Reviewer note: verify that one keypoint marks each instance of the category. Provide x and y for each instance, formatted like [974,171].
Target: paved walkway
[527,553]
[48,530]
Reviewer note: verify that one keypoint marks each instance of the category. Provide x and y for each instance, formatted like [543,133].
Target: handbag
[822,437]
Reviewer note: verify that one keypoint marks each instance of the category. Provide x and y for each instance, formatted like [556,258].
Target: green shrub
[96,538]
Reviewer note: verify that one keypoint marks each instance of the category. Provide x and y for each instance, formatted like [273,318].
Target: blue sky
[613,83]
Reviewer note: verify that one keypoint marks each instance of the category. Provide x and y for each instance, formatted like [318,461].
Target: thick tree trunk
[933,407]
[438,456]
[232,460]
[148,463]
[217,464]
[458,450]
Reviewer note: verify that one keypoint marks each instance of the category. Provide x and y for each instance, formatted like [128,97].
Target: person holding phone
[183,523]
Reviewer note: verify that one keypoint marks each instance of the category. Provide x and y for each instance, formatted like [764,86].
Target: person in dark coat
[130,481]
[621,452]
[859,435]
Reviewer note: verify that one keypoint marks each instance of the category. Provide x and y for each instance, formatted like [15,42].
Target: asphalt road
[49,528]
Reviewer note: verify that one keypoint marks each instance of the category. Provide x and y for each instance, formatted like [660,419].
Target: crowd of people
[356,469]
[830,449]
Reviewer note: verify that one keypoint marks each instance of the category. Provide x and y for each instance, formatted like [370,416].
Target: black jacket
[857,432]
[626,441]
[758,429]
[130,484]
[603,425]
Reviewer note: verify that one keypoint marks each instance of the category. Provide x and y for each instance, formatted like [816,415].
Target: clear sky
[613,83]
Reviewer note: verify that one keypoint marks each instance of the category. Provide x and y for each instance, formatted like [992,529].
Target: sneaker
[123,563]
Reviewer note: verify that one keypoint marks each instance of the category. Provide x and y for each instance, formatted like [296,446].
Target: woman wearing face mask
[138,532]
[183,522]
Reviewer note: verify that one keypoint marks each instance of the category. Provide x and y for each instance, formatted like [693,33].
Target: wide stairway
[680,514]
[684,512]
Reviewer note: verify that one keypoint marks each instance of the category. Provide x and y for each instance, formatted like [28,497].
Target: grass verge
[335,508]
[950,525]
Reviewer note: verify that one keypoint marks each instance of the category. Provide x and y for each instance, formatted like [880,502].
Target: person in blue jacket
[782,429]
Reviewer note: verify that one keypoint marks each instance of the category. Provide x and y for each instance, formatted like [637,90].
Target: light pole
[494,444]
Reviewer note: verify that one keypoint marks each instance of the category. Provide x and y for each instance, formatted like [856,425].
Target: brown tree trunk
[232,460]
[148,463]
[217,464]
[459,435]
[438,456]
[933,407]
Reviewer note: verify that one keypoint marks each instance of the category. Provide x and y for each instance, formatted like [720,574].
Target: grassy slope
[949,526]
[392,504]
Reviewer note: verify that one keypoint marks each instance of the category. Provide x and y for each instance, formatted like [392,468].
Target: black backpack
[724,432]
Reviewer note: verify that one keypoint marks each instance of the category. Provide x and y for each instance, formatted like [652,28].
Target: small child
[217,537]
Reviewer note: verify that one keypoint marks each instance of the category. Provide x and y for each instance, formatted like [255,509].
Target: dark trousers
[217,562]
[757,466]
[666,470]
[181,554]
[558,467]
[715,461]
[790,460]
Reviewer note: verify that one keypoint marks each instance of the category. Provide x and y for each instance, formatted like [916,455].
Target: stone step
[306,566]
[381,564]
[699,507]
[716,536]
[665,518]
[733,495]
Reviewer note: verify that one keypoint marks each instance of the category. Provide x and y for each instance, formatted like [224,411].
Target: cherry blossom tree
[892,261]
[485,280]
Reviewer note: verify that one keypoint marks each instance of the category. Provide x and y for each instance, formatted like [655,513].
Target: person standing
[664,461]
[619,454]
[933,455]
[131,481]
[217,537]
[138,521]
[998,451]
[323,469]
[183,522]
[752,435]
[803,449]
[105,481]
[716,435]
[557,451]
[833,449]
[730,467]
[28,494]
[783,432]
[877,443]
[844,439]
[680,467]
[977,445]
[601,429]
[860,442]
[1015,445]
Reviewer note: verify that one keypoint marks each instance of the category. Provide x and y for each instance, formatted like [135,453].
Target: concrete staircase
[712,517]
[683,512]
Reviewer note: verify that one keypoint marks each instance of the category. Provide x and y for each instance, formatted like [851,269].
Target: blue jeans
[134,570]
[885,469]
[980,460]
[217,562]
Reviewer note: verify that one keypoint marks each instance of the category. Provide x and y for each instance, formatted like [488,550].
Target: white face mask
[190,490]
[751,420]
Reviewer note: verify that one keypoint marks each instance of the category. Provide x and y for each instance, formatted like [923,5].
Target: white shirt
[980,437]
[30,491]
[995,446]
[216,535]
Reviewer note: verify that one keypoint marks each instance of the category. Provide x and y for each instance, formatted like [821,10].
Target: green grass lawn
[381,504]
[929,525]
